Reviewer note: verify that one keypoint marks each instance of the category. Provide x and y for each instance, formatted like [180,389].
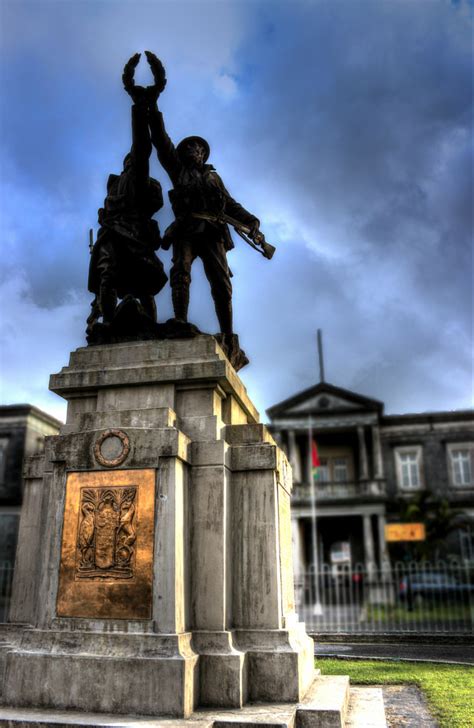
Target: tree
[440,519]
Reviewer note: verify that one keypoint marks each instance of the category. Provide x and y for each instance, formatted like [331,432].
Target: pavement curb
[336,655]
[432,638]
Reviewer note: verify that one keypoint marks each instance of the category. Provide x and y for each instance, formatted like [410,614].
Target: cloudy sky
[344,125]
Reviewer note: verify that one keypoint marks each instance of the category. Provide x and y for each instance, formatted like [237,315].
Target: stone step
[28,718]
[366,708]
[259,716]
[256,716]
[325,704]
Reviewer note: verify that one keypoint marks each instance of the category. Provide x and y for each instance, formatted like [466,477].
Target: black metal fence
[415,597]
[419,597]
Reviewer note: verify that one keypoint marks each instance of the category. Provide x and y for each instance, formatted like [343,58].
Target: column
[368,544]
[278,437]
[309,461]
[384,559]
[298,551]
[363,461]
[377,452]
[294,456]
[292,451]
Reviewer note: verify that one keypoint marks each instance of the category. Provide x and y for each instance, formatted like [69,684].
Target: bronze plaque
[106,567]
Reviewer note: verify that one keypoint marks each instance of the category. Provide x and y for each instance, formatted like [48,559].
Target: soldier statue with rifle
[123,262]
[203,209]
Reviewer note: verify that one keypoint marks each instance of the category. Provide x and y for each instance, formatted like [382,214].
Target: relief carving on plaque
[106,533]
[107,550]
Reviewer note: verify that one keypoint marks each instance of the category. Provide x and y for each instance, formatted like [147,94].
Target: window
[323,471]
[461,456]
[334,469]
[410,472]
[461,467]
[340,470]
[408,464]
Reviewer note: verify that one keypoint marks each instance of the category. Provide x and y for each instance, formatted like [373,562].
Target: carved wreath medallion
[112,462]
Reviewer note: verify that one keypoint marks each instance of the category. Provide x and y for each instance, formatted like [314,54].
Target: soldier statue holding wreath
[123,260]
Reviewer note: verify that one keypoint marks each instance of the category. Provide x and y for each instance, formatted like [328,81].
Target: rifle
[91,240]
[265,248]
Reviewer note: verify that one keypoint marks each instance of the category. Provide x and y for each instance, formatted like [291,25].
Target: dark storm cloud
[68,120]
[364,119]
[344,126]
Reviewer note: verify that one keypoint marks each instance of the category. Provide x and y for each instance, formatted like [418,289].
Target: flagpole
[317,607]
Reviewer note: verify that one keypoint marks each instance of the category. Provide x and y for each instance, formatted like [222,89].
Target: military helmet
[199,140]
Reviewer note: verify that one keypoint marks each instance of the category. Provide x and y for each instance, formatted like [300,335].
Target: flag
[315,462]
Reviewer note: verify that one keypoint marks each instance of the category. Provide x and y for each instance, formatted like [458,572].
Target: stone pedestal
[154,568]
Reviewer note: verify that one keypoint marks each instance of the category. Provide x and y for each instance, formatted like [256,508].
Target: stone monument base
[329,703]
[325,705]
[154,566]
[131,323]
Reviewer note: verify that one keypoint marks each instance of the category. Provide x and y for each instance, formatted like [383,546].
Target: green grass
[420,614]
[449,689]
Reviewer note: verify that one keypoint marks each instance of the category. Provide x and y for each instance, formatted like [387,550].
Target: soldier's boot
[227,339]
[149,306]
[107,303]
[180,298]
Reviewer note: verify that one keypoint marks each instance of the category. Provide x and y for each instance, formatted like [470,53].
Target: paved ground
[392,706]
[460,654]
[365,710]
[405,706]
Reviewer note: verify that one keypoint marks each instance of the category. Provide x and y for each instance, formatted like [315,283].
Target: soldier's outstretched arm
[141,143]
[165,149]
[147,98]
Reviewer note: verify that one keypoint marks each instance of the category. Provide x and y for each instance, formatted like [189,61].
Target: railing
[415,597]
[6,578]
[419,597]
[345,489]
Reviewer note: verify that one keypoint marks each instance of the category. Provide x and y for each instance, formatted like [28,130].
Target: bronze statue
[123,261]
[203,208]
[124,264]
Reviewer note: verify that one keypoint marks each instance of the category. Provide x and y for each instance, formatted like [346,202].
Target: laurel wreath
[157,69]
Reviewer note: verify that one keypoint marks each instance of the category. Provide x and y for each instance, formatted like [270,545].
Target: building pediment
[324,398]
[322,402]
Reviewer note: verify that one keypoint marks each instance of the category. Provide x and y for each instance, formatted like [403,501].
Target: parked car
[433,586]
